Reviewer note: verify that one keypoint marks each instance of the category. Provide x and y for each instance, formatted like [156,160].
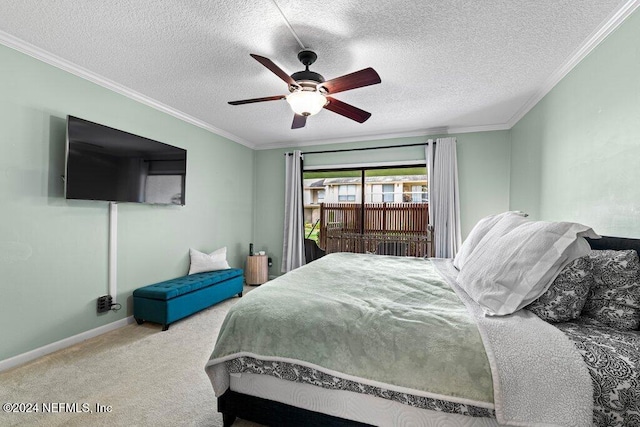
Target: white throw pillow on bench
[201,262]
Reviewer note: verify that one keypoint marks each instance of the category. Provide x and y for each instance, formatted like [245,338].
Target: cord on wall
[113,251]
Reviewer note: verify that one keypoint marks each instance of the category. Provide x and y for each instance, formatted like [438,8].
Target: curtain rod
[361,149]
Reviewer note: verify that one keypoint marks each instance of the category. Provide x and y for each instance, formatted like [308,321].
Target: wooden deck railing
[401,228]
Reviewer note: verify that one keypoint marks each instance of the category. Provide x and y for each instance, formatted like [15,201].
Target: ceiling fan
[309,92]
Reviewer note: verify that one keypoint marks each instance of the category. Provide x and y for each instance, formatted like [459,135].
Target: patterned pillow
[566,296]
[614,298]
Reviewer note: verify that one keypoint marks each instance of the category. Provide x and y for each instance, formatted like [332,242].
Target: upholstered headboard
[616,243]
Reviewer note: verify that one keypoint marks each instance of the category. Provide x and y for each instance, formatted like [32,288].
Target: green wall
[575,156]
[572,157]
[53,252]
[483,167]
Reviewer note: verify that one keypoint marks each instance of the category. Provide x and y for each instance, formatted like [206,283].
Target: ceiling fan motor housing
[307,75]
[307,57]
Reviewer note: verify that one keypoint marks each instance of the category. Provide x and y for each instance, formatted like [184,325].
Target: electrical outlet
[104,303]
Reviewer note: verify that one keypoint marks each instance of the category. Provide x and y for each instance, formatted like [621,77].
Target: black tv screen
[103,163]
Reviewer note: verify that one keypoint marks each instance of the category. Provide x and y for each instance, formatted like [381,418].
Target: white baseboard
[20,359]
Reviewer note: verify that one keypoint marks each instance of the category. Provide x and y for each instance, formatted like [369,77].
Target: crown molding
[359,138]
[376,137]
[75,69]
[478,128]
[608,26]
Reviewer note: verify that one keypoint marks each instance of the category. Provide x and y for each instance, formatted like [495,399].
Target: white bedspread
[539,378]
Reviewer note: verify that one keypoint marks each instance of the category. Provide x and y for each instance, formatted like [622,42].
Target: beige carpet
[148,377]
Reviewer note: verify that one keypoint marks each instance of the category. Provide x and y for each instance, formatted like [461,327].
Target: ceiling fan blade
[251,101]
[347,110]
[299,121]
[361,78]
[274,69]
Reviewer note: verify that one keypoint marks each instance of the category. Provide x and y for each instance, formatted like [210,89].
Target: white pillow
[201,262]
[513,266]
[477,233]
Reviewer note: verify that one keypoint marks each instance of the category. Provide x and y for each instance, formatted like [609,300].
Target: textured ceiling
[456,65]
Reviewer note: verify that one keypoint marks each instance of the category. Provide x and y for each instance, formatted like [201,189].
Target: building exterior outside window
[419,194]
[347,193]
[387,193]
[409,188]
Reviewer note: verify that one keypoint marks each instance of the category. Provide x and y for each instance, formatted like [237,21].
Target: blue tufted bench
[174,299]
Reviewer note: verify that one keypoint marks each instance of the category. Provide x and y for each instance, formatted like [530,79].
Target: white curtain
[444,199]
[429,152]
[293,243]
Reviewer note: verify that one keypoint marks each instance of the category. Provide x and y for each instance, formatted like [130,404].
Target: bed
[359,339]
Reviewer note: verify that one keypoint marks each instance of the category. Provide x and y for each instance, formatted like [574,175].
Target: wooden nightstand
[257,271]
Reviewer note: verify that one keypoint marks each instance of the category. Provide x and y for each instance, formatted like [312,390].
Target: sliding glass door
[375,210]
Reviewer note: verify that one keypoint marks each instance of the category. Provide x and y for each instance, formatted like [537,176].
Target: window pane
[375,196]
[362,227]
[416,193]
[387,193]
[330,187]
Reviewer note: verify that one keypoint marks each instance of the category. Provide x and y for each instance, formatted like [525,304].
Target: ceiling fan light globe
[306,103]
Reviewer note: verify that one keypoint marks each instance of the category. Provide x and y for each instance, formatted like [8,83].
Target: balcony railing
[382,228]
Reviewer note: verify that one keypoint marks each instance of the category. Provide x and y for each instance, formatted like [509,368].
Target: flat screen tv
[103,163]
